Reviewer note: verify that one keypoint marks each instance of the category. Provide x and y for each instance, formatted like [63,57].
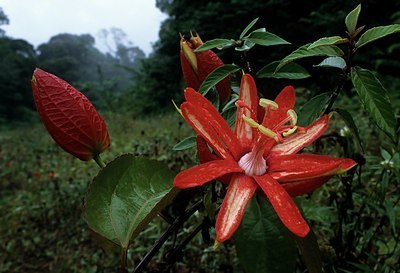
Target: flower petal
[301,187]
[198,175]
[298,141]
[248,95]
[240,191]
[283,205]
[306,166]
[285,100]
[206,112]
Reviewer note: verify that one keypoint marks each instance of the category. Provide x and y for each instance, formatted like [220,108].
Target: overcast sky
[36,21]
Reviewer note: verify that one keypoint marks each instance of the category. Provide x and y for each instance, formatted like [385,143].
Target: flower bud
[69,117]
[197,65]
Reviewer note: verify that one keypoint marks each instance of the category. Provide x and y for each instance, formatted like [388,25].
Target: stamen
[250,121]
[290,131]
[268,103]
[267,132]
[293,116]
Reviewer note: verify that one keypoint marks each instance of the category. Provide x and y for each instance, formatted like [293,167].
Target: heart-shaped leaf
[126,195]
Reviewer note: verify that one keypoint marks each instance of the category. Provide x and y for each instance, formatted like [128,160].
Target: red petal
[69,117]
[283,205]
[298,141]
[207,62]
[248,95]
[301,187]
[198,175]
[285,100]
[240,191]
[189,75]
[306,166]
[212,120]
[203,152]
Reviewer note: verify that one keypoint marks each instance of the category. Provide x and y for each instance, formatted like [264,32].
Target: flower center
[253,163]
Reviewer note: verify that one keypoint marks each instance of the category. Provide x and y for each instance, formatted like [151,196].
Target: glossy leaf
[348,119]
[352,19]
[215,43]
[334,40]
[185,144]
[216,76]
[377,33]
[335,62]
[126,195]
[265,39]
[249,26]
[263,244]
[313,108]
[375,99]
[291,71]
[303,52]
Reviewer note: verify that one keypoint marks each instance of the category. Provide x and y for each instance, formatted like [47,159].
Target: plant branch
[171,230]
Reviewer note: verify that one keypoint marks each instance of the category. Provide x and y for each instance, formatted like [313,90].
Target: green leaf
[291,71]
[263,244]
[335,62]
[126,195]
[376,33]
[303,52]
[375,99]
[247,45]
[244,32]
[352,19]
[334,40]
[215,43]
[216,76]
[265,39]
[348,119]
[310,252]
[185,144]
[313,108]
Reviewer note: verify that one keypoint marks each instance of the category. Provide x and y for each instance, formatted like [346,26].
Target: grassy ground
[42,190]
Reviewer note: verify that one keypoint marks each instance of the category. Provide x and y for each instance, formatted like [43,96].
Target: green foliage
[125,196]
[375,99]
[259,230]
[352,19]
[216,76]
[376,33]
[305,51]
[17,61]
[291,71]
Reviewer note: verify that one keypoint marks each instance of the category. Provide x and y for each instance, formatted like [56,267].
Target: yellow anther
[250,121]
[267,132]
[292,114]
[290,131]
[265,103]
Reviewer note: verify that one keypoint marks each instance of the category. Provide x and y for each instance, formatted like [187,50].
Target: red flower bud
[197,65]
[69,117]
